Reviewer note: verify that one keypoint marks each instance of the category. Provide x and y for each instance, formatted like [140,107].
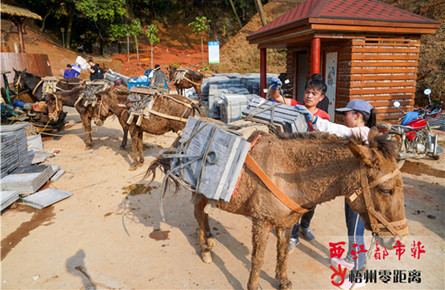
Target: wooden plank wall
[291,70]
[381,71]
[34,63]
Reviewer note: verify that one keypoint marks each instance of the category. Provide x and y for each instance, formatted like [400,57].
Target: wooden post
[315,55]
[21,42]
[263,71]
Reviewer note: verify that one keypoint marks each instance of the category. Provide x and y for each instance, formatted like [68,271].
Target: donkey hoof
[286,285]
[211,241]
[206,257]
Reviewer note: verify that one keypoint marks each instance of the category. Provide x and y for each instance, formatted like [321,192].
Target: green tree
[152,38]
[117,31]
[135,31]
[200,25]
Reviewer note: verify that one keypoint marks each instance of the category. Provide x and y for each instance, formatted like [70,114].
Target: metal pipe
[263,70]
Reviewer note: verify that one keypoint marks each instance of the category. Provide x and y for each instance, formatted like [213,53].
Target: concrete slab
[46,198]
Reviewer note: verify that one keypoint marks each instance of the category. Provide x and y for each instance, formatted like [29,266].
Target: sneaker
[348,284]
[337,261]
[307,234]
[292,244]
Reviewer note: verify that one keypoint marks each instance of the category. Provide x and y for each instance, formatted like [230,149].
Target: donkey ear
[362,153]
[372,133]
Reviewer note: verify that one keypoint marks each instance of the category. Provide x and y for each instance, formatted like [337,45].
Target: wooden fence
[34,63]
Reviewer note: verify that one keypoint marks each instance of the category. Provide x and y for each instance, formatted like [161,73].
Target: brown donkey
[72,98]
[310,168]
[169,113]
[184,78]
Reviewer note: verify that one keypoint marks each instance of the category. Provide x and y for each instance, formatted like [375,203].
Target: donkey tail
[198,109]
[164,165]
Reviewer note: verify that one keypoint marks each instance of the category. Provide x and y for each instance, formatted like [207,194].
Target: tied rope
[189,159]
[257,111]
[185,160]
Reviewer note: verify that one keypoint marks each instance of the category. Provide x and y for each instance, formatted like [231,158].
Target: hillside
[179,45]
[237,55]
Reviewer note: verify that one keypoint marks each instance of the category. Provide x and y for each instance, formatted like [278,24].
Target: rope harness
[180,75]
[378,222]
[141,102]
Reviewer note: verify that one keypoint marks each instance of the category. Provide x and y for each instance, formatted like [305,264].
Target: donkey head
[380,200]
[55,106]
[19,81]
[171,71]
[103,110]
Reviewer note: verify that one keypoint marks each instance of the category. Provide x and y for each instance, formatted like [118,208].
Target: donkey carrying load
[39,89]
[184,78]
[87,101]
[153,111]
[275,189]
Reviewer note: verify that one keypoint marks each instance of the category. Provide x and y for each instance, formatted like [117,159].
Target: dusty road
[106,237]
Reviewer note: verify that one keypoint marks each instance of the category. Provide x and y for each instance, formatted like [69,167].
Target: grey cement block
[46,198]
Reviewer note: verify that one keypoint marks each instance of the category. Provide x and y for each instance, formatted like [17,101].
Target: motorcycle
[414,132]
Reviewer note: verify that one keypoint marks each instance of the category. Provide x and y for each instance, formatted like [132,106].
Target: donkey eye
[386,191]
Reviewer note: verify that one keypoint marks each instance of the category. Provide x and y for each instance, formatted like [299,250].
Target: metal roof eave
[339,25]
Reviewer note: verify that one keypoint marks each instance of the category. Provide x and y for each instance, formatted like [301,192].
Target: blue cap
[357,105]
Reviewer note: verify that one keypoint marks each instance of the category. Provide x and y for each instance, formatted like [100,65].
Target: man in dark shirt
[96,72]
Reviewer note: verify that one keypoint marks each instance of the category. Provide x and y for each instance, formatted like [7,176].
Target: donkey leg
[283,236]
[125,129]
[198,91]
[141,148]
[134,146]
[201,218]
[260,232]
[211,241]
[86,122]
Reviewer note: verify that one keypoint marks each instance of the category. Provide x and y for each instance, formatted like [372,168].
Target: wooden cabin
[364,49]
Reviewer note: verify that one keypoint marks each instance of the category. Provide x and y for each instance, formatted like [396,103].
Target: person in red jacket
[314,92]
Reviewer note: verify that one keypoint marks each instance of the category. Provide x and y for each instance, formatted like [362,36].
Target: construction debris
[27,179]
[8,198]
[14,147]
[46,198]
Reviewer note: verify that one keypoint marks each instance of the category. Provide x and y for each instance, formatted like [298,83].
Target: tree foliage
[199,26]
[152,32]
[103,10]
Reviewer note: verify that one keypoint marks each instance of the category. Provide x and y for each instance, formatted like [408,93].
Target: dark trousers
[305,222]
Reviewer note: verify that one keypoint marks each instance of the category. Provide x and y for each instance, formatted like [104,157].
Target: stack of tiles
[9,155]
[286,116]
[232,106]
[14,144]
[227,153]
[8,197]
[27,179]
[46,198]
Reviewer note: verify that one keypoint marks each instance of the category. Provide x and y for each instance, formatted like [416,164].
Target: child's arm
[341,130]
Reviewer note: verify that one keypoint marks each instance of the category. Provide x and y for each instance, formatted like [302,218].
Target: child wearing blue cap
[359,117]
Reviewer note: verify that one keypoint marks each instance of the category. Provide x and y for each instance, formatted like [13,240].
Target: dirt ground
[110,236]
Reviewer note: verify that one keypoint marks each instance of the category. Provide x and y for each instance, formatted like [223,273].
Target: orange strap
[235,191]
[272,187]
